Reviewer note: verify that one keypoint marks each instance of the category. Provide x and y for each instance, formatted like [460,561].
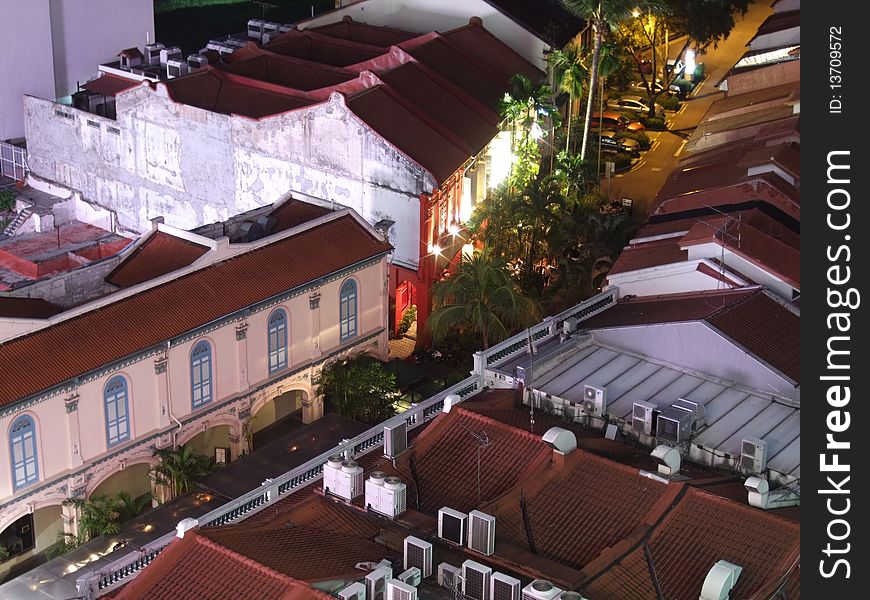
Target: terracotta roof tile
[699,531]
[27,308]
[649,254]
[319,48]
[476,42]
[93,339]
[196,568]
[287,71]
[158,255]
[577,515]
[446,460]
[373,35]
[765,328]
[295,212]
[109,85]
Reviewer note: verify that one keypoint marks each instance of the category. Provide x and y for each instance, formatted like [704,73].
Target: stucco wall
[195,167]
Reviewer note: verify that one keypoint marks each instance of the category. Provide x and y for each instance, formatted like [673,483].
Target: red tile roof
[226,93]
[476,42]
[386,113]
[700,530]
[779,21]
[295,212]
[76,346]
[373,35]
[668,308]
[446,460]
[158,255]
[27,308]
[285,71]
[575,516]
[315,47]
[765,328]
[197,568]
[649,254]
[109,85]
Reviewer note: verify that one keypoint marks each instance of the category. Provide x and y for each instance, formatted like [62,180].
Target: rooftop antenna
[532,352]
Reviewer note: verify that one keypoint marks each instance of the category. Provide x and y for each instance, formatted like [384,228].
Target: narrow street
[644,181]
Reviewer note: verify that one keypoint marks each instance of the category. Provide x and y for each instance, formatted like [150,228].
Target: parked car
[632,103]
[657,86]
[614,121]
[611,142]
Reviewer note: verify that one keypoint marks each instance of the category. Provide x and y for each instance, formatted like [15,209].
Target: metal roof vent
[668,459]
[541,589]
[720,581]
[560,440]
[185,525]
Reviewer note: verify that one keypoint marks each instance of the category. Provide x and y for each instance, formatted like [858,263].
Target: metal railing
[129,565]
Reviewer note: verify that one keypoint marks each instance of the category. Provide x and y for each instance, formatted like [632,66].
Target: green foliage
[180,468]
[685,86]
[104,514]
[359,388]
[639,136]
[481,297]
[669,102]
[407,319]
[7,200]
[654,123]
[525,108]
[4,553]
[66,542]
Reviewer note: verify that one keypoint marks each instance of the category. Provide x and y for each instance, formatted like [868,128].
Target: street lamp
[482,439]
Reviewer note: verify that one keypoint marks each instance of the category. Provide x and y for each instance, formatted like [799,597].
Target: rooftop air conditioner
[330,469]
[504,587]
[373,485]
[176,68]
[196,61]
[475,580]
[392,498]
[418,553]
[376,583]
[448,576]
[452,525]
[348,480]
[411,576]
[171,53]
[152,53]
[355,591]
[674,425]
[594,402]
[720,581]
[698,411]
[255,28]
[753,455]
[541,589]
[395,439]
[642,416]
[481,532]
[396,590]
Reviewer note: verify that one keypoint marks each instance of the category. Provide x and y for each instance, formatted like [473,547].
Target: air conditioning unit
[642,417]
[376,583]
[348,480]
[392,498]
[475,580]
[255,28]
[395,439]
[411,576]
[481,532]
[171,53]
[753,455]
[452,525]
[674,425]
[569,325]
[504,587]
[270,32]
[355,591]
[330,471]
[699,412]
[196,61]
[176,68]
[594,402]
[152,53]
[396,590]
[418,553]
[541,589]
[448,576]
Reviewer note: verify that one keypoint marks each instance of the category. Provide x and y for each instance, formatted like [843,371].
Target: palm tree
[481,296]
[603,14]
[568,75]
[529,106]
[99,515]
[178,469]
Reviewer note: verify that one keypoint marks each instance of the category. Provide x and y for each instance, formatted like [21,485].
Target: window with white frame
[347,309]
[200,374]
[115,396]
[277,340]
[22,446]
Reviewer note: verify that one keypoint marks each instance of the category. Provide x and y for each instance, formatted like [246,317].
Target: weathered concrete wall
[71,288]
[194,167]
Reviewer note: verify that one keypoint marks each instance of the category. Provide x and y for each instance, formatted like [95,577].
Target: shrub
[623,161]
[407,320]
[7,200]
[654,123]
[669,102]
[640,137]
[685,86]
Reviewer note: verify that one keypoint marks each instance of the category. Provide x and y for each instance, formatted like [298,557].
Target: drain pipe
[169,396]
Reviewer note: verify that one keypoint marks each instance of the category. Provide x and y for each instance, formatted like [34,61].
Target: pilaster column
[72,413]
[162,374]
[314,306]
[312,408]
[70,516]
[242,349]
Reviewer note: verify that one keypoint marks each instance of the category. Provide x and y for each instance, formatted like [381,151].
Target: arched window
[117,415]
[277,340]
[347,309]
[200,374]
[22,443]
